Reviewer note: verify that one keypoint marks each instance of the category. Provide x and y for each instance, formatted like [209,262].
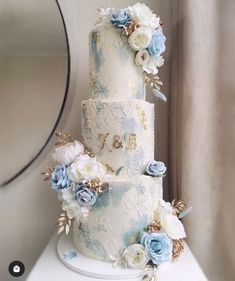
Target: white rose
[143,16]
[153,64]
[85,168]
[72,209]
[160,61]
[136,256]
[142,57]
[164,208]
[66,195]
[166,205]
[140,38]
[67,153]
[173,227]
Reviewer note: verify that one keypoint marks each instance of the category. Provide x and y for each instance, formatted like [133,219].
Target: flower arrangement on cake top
[143,30]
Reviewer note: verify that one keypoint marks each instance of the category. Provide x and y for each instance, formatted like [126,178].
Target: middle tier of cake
[120,134]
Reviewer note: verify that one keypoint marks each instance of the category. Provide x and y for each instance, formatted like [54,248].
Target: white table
[49,267]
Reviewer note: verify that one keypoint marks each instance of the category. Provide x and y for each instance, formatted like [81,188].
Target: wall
[30,104]
[28,207]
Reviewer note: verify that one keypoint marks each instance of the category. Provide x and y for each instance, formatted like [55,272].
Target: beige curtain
[202,129]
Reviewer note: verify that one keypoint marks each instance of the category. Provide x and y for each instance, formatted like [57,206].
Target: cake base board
[90,267]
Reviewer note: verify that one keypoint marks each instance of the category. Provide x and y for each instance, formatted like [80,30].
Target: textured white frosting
[121,134]
[113,72]
[118,216]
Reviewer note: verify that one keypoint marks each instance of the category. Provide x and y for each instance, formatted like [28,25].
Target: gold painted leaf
[60,230]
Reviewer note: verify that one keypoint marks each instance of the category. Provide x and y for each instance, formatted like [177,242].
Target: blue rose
[84,195]
[158,245]
[157,45]
[155,168]
[120,17]
[59,178]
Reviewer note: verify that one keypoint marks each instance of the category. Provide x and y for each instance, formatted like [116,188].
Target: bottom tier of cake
[118,216]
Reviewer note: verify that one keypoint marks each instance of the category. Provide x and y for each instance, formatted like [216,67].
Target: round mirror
[34,73]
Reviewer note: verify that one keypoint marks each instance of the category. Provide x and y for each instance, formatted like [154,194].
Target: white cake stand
[89,267]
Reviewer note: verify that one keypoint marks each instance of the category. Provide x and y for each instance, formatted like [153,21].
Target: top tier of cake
[114,76]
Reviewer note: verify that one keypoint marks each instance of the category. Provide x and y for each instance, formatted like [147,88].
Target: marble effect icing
[113,72]
[120,134]
[118,216]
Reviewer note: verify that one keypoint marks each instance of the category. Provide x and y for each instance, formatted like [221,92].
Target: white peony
[153,64]
[66,195]
[72,209]
[160,61]
[142,57]
[67,153]
[166,205]
[140,38]
[143,16]
[136,256]
[173,227]
[85,168]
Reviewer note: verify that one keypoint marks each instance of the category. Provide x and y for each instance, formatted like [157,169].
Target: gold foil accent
[89,153]
[63,223]
[131,142]
[103,141]
[117,142]
[179,206]
[109,168]
[151,272]
[154,227]
[47,173]
[63,138]
[129,28]
[142,117]
[134,239]
[130,85]
[178,247]
[153,81]
[96,184]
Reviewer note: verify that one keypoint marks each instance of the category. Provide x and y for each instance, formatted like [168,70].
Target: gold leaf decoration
[153,81]
[153,227]
[178,247]
[63,138]
[109,168]
[89,153]
[96,184]
[63,223]
[134,239]
[151,272]
[178,206]
[156,216]
[47,173]
[129,28]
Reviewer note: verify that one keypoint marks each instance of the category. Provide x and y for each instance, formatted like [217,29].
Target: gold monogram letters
[116,142]
[108,143]
[131,142]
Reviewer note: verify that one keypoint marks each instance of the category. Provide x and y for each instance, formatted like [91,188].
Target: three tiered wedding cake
[110,186]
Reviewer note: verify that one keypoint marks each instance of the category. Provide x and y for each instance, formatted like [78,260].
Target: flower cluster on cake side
[143,31]
[79,178]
